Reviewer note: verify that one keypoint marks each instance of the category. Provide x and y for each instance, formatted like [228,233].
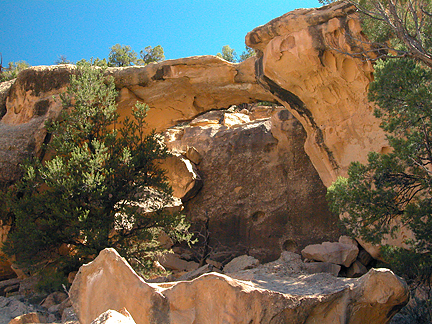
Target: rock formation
[323,88]
[296,65]
[261,195]
[274,293]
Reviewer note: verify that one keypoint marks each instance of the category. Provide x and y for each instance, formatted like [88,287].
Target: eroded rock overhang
[301,61]
[296,65]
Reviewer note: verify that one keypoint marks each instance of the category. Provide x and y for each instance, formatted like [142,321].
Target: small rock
[210,118]
[165,241]
[287,256]
[54,308]
[64,304]
[174,262]
[26,319]
[113,317]
[196,273]
[8,283]
[11,289]
[356,270]
[347,240]
[322,267]
[241,263]
[54,299]
[69,315]
[193,155]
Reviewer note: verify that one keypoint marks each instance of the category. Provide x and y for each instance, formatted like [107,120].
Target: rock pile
[19,308]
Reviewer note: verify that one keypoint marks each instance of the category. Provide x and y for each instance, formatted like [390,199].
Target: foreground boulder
[110,283]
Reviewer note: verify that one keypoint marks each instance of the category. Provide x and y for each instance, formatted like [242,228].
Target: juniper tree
[103,186]
[396,185]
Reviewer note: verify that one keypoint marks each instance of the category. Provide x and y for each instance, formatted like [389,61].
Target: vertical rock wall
[301,64]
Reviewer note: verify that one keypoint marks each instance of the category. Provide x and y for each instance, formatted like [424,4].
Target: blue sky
[40,31]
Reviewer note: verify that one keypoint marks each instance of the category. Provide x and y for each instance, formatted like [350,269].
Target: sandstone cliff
[275,202]
[256,178]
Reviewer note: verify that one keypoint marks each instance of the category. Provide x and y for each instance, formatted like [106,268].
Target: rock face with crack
[323,88]
[261,194]
[269,296]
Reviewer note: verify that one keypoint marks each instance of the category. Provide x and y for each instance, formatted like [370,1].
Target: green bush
[103,187]
[11,72]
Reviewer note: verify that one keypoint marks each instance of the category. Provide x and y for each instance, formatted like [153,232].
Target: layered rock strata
[275,295]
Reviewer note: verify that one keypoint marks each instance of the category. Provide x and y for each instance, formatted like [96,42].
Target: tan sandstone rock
[357,269]
[241,263]
[182,175]
[324,89]
[27,319]
[109,283]
[174,262]
[320,267]
[296,66]
[333,252]
[113,317]
[261,195]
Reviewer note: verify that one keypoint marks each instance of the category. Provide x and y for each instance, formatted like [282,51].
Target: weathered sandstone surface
[324,89]
[261,194]
[274,293]
[264,195]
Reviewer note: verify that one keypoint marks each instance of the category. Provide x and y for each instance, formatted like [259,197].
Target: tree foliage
[151,54]
[63,60]
[123,55]
[248,52]
[102,187]
[394,189]
[12,70]
[230,55]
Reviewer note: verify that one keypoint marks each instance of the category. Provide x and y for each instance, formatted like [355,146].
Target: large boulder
[333,252]
[272,296]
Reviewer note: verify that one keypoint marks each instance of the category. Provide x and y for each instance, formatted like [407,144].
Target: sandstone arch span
[325,90]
